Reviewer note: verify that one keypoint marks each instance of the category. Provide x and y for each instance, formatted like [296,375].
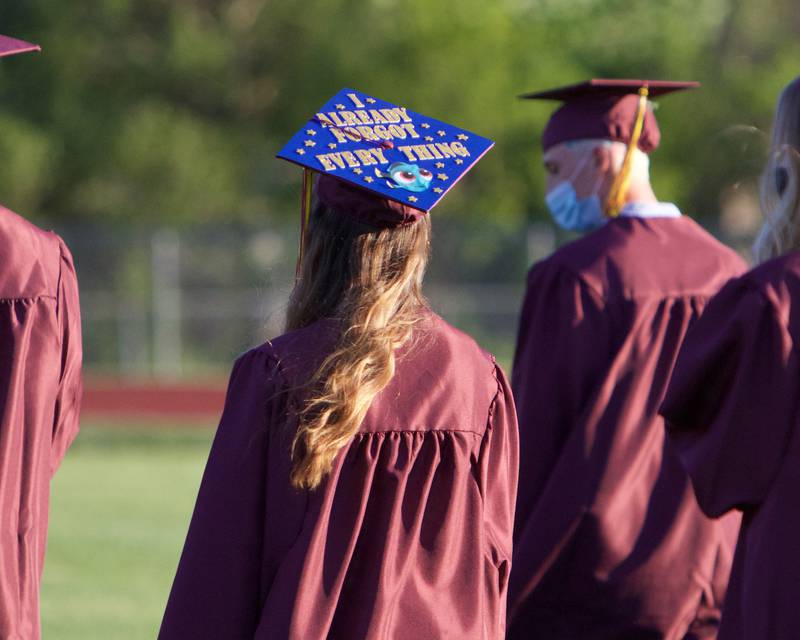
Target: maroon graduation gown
[609,541]
[409,536]
[732,410]
[40,386]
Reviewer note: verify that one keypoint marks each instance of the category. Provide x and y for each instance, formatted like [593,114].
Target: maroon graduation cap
[606,109]
[11,46]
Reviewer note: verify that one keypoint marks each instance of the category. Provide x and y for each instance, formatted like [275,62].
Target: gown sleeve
[70,387]
[217,591]
[732,400]
[562,352]
[499,466]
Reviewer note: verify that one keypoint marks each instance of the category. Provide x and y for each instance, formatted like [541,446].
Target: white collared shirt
[650,210]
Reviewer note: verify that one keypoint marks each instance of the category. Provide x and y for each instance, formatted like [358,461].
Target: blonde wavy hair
[780,192]
[370,281]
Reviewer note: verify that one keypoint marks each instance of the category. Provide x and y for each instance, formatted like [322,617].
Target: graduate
[362,480]
[732,405]
[40,389]
[609,540]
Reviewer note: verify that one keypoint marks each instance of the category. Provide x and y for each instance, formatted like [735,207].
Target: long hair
[780,192]
[370,282]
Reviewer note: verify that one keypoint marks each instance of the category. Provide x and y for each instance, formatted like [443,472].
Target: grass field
[120,507]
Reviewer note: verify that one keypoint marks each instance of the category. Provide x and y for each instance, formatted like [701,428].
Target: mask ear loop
[619,188]
[576,172]
[584,161]
[598,181]
[305,214]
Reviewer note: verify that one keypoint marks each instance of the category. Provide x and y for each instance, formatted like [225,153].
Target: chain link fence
[167,304]
[180,304]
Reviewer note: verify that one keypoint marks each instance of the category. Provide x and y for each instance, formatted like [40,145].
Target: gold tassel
[619,188]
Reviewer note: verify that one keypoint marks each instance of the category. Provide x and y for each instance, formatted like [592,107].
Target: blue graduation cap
[12,46]
[382,148]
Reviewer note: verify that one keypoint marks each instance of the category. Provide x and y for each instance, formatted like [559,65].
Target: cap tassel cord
[305,214]
[619,188]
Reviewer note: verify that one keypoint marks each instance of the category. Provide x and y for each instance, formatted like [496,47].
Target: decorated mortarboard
[11,46]
[385,150]
[606,109]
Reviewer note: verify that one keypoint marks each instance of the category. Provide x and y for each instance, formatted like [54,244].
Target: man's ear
[601,156]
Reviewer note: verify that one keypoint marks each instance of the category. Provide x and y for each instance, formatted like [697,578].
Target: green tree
[172,110]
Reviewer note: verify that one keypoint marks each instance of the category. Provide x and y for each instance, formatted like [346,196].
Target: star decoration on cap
[440,132]
[425,125]
[310,143]
[412,198]
[428,138]
[358,171]
[311,132]
[438,190]
[300,152]
[340,106]
[440,165]
[367,178]
[371,100]
[441,176]
[462,136]
[459,161]
[331,145]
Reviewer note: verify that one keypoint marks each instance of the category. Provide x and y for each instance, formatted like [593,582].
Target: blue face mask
[573,214]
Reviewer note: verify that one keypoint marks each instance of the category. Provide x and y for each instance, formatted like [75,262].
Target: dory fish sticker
[406,176]
[385,148]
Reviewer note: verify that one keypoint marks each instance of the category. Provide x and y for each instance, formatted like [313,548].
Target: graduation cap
[12,46]
[606,109]
[383,154]
[617,110]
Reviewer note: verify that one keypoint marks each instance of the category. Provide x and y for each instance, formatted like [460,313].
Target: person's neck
[641,192]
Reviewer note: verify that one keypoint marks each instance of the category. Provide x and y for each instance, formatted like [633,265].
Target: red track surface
[178,402]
